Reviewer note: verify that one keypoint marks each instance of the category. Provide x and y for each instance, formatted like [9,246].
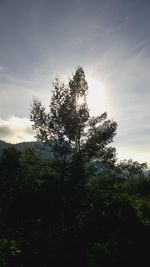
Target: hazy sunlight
[97,97]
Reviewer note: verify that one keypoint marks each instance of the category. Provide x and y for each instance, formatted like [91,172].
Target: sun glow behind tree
[97,97]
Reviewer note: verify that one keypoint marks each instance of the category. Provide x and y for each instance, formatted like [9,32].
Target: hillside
[3,145]
[38,148]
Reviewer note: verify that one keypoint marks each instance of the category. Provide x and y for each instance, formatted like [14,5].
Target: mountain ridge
[37,147]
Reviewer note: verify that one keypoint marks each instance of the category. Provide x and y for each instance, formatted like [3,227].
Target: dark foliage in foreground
[104,221]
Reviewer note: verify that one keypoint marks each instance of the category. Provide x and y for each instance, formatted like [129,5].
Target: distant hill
[39,149]
[3,145]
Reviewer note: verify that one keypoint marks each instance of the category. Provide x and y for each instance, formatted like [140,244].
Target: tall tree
[68,129]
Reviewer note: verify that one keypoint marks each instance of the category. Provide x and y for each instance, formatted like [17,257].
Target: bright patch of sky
[16,130]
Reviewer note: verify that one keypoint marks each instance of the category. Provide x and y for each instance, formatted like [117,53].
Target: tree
[131,168]
[68,128]
[10,169]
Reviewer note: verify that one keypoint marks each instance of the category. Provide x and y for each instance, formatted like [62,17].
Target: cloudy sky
[42,39]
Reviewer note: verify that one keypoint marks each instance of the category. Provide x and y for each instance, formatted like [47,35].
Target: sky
[42,39]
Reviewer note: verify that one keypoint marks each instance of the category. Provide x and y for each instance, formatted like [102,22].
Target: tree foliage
[131,168]
[68,128]
[101,222]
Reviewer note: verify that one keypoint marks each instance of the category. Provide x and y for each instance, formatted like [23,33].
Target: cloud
[17,93]
[15,130]
[5,130]
[1,69]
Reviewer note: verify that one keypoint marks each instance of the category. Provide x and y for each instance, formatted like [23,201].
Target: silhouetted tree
[68,129]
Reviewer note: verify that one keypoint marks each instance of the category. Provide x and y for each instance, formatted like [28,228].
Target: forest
[81,207]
